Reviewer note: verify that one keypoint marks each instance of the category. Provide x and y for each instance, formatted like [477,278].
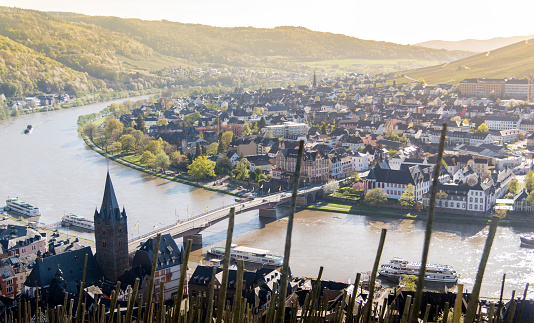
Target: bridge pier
[302,201]
[196,239]
[268,213]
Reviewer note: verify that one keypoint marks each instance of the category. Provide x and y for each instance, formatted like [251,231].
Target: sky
[402,22]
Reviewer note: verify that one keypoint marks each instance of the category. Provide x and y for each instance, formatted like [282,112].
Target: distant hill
[516,60]
[474,45]
[247,46]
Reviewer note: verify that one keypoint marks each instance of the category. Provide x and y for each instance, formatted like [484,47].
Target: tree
[257,175]
[529,181]
[128,142]
[192,117]
[148,158]
[90,130]
[392,152]
[409,282]
[513,187]
[212,149]
[246,129]
[175,158]
[241,171]
[331,188]
[140,123]
[162,122]
[441,195]
[407,197]
[255,129]
[162,161]
[500,211]
[262,124]
[115,147]
[113,126]
[375,196]
[482,128]
[530,198]
[201,168]
[226,139]
[154,146]
[198,150]
[223,166]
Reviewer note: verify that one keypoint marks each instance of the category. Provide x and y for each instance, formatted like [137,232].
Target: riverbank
[176,178]
[512,220]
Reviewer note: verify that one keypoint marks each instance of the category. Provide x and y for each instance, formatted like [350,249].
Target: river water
[54,170]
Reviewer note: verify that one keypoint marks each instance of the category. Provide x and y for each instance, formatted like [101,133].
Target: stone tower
[111,235]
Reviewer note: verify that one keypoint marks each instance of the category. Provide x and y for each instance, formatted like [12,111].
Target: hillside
[474,45]
[24,72]
[242,46]
[516,60]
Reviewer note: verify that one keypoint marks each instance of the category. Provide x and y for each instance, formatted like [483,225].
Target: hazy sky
[404,22]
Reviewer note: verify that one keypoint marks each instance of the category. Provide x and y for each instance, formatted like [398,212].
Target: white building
[285,129]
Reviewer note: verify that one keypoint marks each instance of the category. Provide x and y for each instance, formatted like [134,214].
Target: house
[394,182]
[314,169]
[502,123]
[17,240]
[168,267]
[260,161]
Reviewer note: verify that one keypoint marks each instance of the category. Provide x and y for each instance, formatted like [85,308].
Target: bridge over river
[193,226]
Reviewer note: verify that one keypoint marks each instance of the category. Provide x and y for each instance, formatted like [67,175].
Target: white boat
[19,206]
[527,239]
[398,268]
[77,221]
[253,255]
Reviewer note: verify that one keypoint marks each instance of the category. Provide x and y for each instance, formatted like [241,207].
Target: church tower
[111,235]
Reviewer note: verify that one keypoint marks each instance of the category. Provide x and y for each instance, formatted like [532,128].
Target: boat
[253,255]
[398,268]
[19,206]
[28,129]
[77,221]
[527,239]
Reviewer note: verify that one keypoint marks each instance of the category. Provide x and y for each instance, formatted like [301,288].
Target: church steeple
[111,235]
[110,207]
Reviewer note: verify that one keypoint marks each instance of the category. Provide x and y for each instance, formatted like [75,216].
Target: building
[18,240]
[518,89]
[111,235]
[314,168]
[168,267]
[285,129]
[482,87]
[502,123]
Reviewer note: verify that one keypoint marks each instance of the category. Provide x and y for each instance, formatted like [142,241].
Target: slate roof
[71,263]
[14,236]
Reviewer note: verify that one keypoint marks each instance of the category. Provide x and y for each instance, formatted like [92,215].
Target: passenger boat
[28,129]
[527,239]
[19,206]
[77,221]
[398,268]
[253,255]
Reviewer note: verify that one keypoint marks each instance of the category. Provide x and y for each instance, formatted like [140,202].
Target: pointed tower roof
[110,207]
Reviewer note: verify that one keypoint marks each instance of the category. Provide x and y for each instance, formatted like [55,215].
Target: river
[54,170]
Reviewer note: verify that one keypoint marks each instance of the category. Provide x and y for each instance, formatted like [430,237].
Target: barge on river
[437,273]
[77,221]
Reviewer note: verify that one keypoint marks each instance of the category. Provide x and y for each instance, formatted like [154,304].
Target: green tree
[223,166]
[154,146]
[90,130]
[241,171]
[162,122]
[409,282]
[113,126]
[226,139]
[128,142]
[441,195]
[162,161]
[529,181]
[482,128]
[407,198]
[375,196]
[246,129]
[140,123]
[175,158]
[201,168]
[255,129]
[257,175]
[198,150]
[148,158]
[212,149]
[392,152]
[499,211]
[530,198]
[115,147]
[192,117]
[513,187]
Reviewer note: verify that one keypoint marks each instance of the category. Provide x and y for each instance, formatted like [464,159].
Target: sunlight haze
[394,21]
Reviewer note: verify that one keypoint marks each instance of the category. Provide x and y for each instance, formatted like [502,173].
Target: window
[476,207]
[104,244]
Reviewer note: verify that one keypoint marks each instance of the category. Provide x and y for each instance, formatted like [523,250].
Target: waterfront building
[18,240]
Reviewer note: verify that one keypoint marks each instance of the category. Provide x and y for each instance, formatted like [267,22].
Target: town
[376,140]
